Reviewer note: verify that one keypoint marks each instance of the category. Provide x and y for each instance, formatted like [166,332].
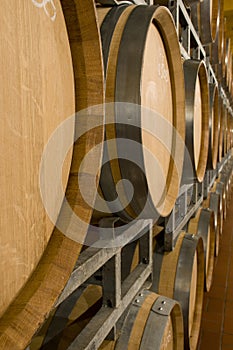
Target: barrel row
[205,16]
[210,24]
[170,271]
[168,316]
[193,122]
[198,111]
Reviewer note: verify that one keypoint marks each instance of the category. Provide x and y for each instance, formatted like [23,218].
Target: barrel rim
[214,128]
[193,70]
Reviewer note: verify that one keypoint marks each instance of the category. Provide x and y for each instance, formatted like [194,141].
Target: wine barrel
[180,275]
[230,72]
[153,322]
[228,136]
[224,131]
[221,128]
[197,119]
[145,102]
[205,17]
[214,125]
[227,59]
[43,84]
[219,187]
[229,68]
[225,179]
[217,46]
[228,172]
[203,225]
[231,132]
[224,43]
[214,202]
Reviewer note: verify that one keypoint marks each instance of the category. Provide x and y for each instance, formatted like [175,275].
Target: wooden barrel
[219,187]
[197,118]
[43,84]
[224,131]
[224,43]
[203,225]
[229,67]
[225,179]
[221,128]
[228,171]
[214,202]
[205,17]
[145,102]
[227,59]
[153,322]
[217,47]
[180,275]
[228,136]
[214,125]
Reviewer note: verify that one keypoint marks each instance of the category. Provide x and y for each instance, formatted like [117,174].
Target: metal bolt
[163,302]
[140,294]
[137,301]
[160,309]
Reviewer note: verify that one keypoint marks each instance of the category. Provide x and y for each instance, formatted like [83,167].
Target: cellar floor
[217,320]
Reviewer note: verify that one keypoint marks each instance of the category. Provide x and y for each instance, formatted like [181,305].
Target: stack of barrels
[107,119]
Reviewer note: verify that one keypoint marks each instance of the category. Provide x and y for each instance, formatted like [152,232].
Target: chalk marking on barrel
[43,5]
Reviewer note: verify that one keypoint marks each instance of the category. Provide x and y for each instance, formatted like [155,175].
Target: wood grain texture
[170,259]
[36,65]
[37,94]
[197,119]
[197,125]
